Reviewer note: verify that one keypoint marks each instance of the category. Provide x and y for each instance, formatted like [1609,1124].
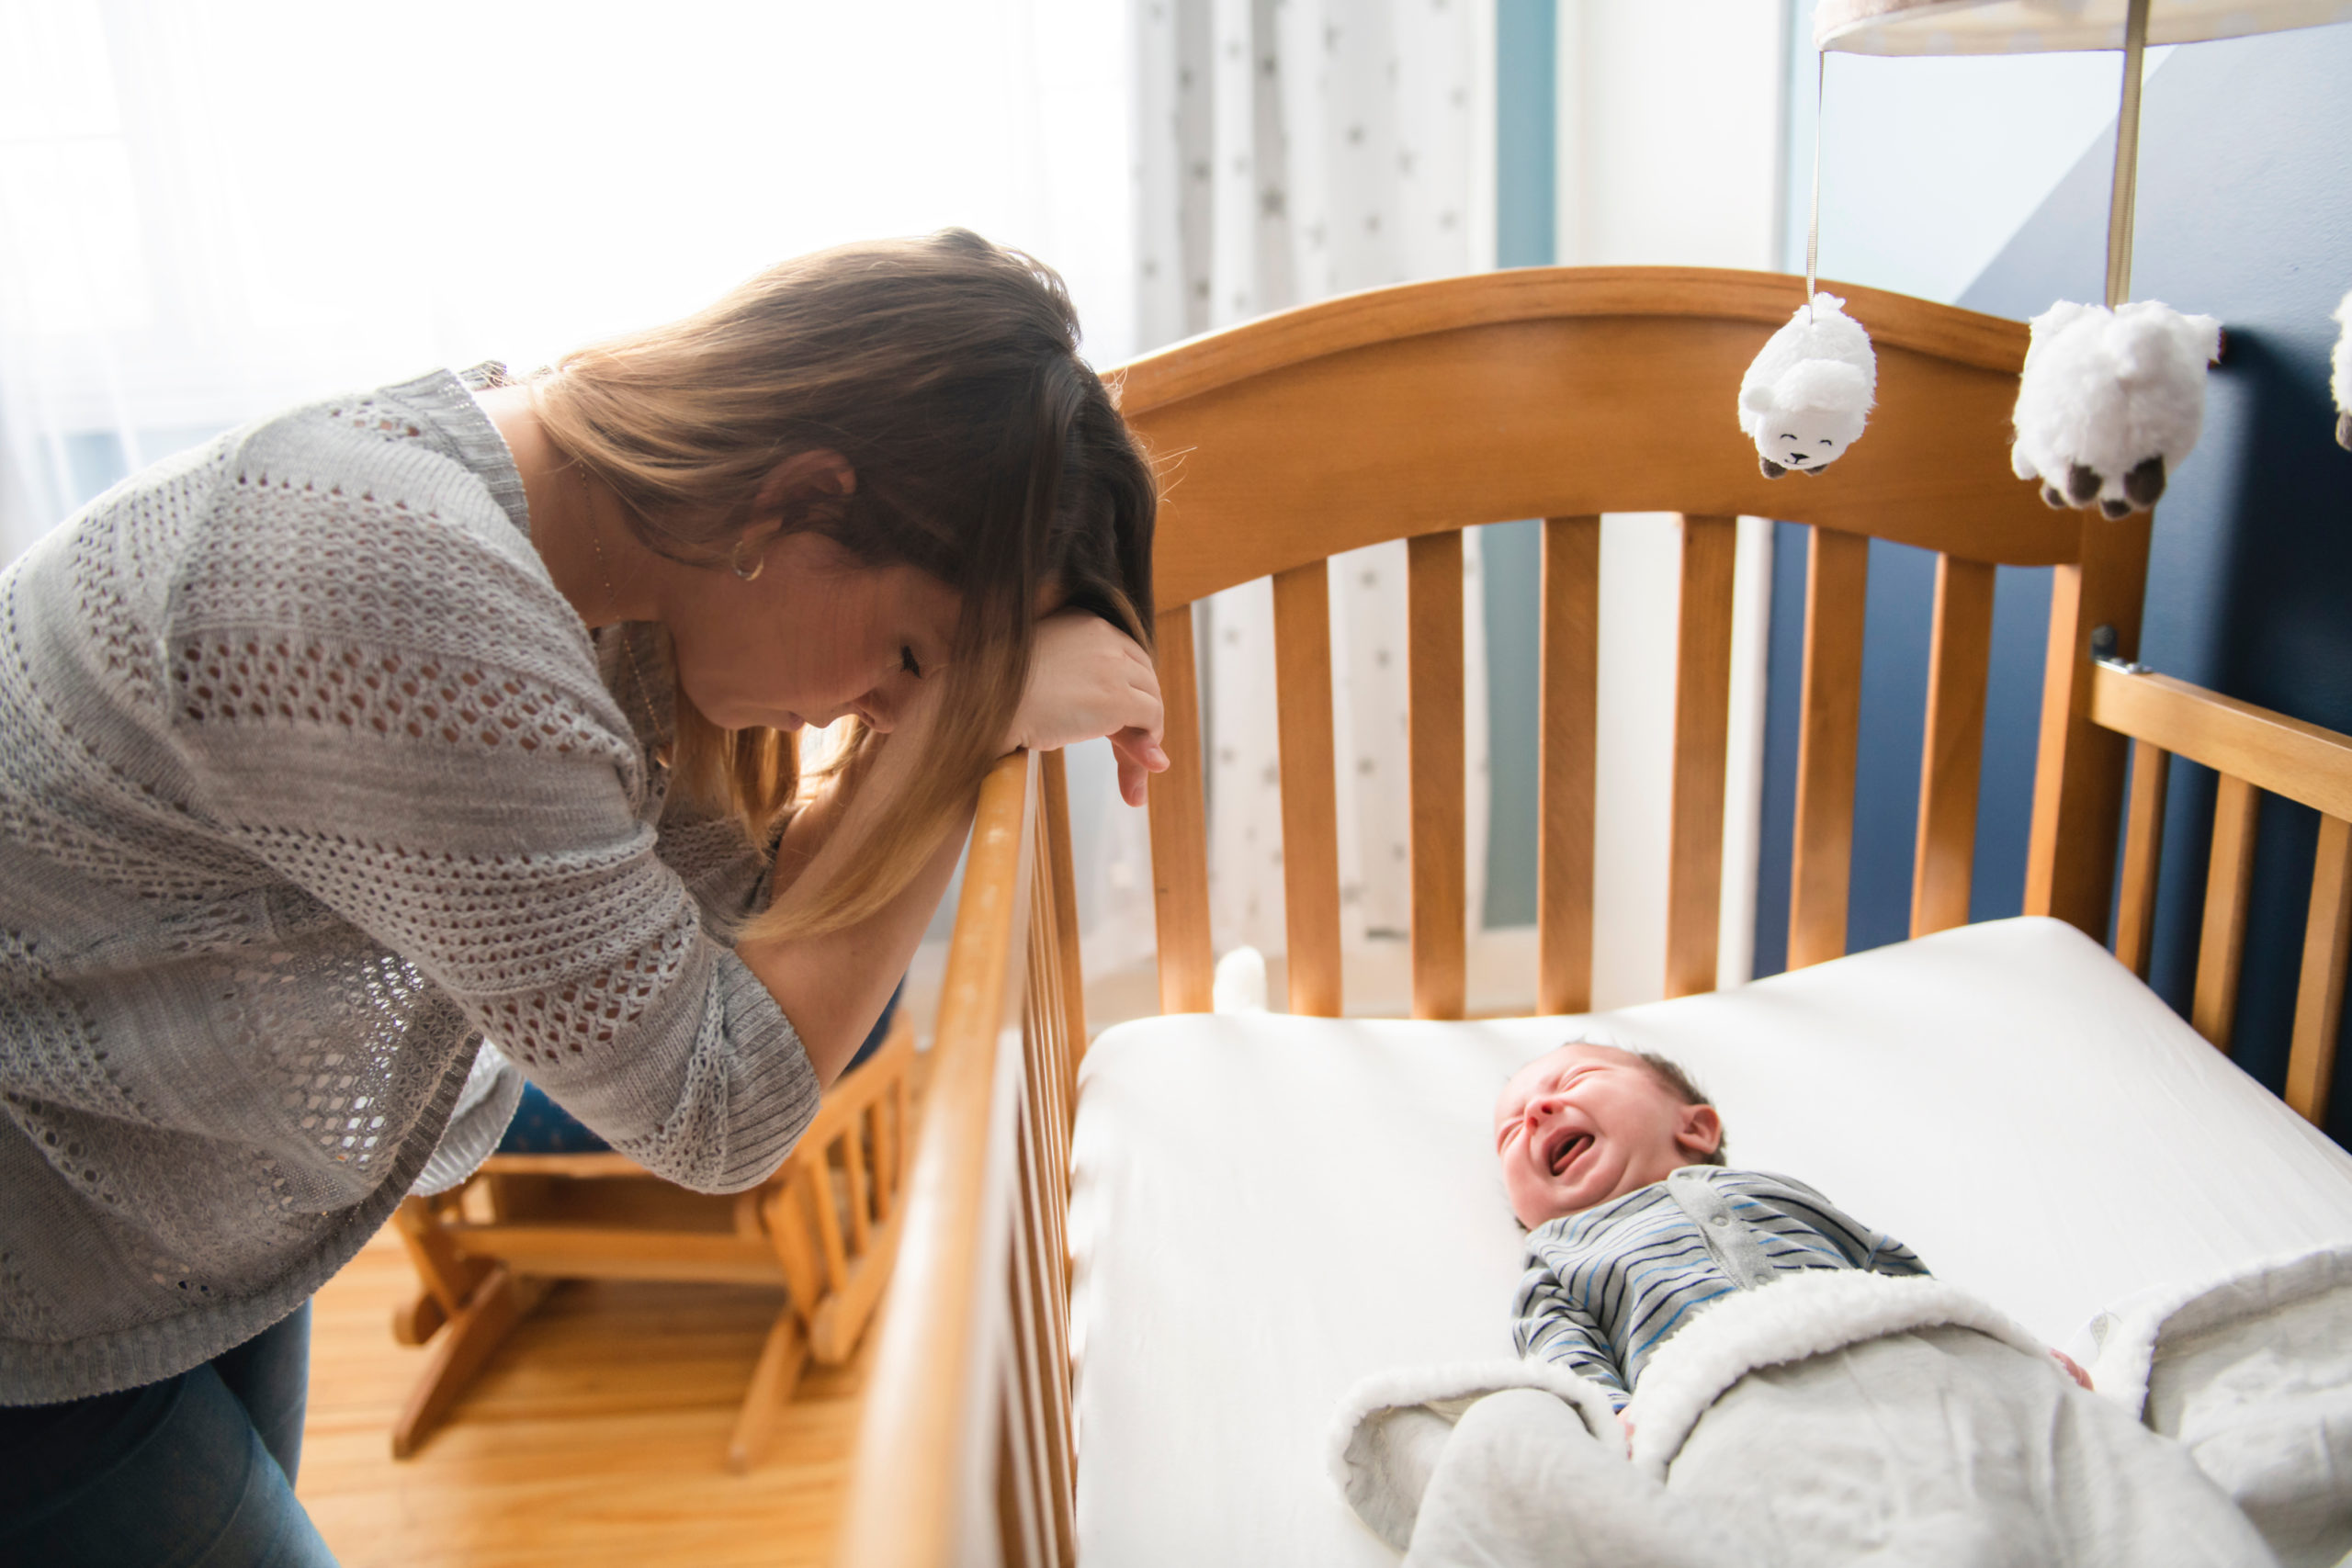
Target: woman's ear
[818,475]
[1701,1130]
[793,488]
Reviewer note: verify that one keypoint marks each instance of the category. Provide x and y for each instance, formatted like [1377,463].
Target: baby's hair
[1678,1083]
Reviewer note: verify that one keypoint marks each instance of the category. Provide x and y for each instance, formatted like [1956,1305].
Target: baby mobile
[1808,395]
[2112,396]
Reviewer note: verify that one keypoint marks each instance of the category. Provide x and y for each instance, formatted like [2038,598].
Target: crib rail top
[1579,391]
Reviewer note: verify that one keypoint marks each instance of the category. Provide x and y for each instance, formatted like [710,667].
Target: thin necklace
[620,630]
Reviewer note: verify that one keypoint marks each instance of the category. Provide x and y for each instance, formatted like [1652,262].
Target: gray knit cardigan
[311,780]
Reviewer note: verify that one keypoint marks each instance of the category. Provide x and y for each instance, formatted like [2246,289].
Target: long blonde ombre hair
[988,455]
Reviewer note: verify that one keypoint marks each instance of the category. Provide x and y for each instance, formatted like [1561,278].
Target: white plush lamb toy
[2112,402]
[2342,380]
[1808,395]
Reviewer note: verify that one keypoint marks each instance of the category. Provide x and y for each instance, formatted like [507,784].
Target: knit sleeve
[386,702]
[1551,1326]
[725,873]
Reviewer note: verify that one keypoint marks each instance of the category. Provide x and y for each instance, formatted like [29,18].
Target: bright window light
[211,209]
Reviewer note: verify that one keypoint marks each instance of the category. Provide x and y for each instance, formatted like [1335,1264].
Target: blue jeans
[194,1472]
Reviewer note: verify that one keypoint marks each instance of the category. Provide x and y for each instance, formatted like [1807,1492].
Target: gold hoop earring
[735,563]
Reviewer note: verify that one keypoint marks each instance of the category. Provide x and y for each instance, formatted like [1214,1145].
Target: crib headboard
[1562,393]
[1412,413]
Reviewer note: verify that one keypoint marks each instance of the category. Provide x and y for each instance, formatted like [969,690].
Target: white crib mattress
[1266,1208]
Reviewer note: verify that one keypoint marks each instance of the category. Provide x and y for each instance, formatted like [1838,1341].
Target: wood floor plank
[597,1434]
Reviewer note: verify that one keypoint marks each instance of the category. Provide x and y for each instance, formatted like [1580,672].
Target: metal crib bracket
[2103,640]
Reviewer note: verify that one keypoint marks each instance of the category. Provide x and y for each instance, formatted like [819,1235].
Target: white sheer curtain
[1288,150]
[210,209]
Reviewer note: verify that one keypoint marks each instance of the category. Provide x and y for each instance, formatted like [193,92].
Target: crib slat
[2078,765]
[2143,832]
[1953,752]
[1026,1486]
[1822,852]
[1180,856]
[1052,1078]
[1016,1510]
[2221,947]
[1055,801]
[1702,747]
[1041,1285]
[2319,1000]
[1569,675]
[1311,811]
[1433,722]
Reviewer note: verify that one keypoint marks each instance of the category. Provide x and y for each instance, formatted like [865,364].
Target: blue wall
[2245,213]
[1526,56]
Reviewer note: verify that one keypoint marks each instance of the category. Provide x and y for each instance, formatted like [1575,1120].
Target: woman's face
[814,638]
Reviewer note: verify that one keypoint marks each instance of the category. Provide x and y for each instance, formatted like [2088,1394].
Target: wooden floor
[597,1436]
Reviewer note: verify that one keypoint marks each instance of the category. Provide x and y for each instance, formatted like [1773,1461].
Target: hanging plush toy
[1808,395]
[2342,380]
[2112,402]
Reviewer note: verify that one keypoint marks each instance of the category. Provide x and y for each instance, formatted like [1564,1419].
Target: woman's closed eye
[908,662]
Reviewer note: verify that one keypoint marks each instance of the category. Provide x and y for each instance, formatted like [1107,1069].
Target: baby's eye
[908,662]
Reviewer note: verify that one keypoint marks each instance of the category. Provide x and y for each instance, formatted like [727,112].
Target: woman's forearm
[834,986]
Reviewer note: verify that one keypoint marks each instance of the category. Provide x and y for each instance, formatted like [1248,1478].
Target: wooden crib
[1412,411]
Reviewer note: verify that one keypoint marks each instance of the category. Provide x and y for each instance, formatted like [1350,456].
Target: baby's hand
[2073,1368]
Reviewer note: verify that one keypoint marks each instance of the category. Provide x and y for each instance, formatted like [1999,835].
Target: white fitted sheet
[1266,1208]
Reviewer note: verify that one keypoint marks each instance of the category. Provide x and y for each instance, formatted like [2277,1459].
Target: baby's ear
[1701,1132]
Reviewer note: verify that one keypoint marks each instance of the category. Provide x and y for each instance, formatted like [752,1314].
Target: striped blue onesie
[1605,1288]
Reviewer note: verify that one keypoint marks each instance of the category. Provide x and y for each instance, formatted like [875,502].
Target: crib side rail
[964,1452]
[2255,752]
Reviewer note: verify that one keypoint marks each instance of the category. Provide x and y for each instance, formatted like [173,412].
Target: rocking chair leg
[461,1350]
[780,1360]
[417,1321]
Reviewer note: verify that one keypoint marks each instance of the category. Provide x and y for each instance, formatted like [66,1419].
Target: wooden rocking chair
[825,1226]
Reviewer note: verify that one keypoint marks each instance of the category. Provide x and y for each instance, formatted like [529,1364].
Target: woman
[458,710]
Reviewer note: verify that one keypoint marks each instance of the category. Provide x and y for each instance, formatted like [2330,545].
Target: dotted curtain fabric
[1287,150]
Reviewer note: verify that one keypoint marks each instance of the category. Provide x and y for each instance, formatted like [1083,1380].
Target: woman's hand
[1087,678]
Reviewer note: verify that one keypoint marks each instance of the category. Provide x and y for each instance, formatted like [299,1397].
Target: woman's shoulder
[421,447]
[354,581]
[388,515]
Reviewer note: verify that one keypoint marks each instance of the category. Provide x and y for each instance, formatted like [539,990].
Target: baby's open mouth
[1565,1151]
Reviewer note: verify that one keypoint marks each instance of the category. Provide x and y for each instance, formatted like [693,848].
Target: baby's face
[1588,1123]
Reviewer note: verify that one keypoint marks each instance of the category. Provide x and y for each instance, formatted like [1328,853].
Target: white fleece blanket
[2251,1373]
[1848,1418]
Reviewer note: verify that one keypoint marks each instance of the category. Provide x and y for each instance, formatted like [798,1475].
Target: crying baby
[1774,1403]
[1613,1160]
